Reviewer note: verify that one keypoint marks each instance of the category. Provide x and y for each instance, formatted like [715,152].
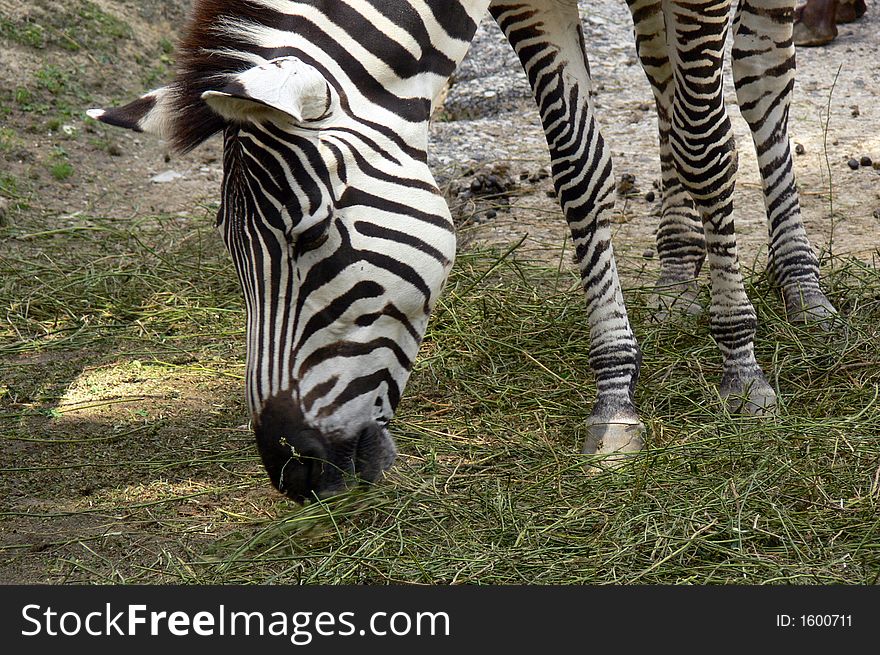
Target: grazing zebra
[342,241]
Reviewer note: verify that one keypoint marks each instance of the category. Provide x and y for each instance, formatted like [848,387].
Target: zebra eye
[312,238]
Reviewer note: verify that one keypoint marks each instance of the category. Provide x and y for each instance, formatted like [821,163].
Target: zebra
[342,241]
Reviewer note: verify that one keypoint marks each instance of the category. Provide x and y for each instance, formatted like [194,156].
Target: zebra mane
[209,54]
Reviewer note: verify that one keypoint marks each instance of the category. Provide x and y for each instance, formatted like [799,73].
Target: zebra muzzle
[305,464]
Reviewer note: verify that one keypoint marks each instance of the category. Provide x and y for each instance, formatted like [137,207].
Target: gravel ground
[490,126]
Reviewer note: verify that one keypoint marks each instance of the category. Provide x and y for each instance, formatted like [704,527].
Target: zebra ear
[282,89]
[150,113]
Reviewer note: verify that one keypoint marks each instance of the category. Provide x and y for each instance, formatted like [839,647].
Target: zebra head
[341,242]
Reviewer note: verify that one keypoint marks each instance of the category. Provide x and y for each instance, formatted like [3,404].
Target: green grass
[72,26]
[63,83]
[59,164]
[8,185]
[31,35]
[8,139]
[125,457]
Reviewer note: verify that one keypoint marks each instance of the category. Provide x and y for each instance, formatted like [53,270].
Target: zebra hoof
[813,310]
[675,299]
[751,395]
[849,12]
[615,442]
[813,26]
[811,36]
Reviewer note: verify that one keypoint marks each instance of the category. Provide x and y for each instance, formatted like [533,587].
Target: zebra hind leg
[681,248]
[547,37]
[704,151]
[764,72]
[681,245]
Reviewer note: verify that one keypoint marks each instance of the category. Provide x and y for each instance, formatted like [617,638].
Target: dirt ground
[58,59]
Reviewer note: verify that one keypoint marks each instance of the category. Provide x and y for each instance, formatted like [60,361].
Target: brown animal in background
[815,23]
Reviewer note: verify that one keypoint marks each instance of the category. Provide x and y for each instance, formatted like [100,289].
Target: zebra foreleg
[548,39]
[681,246]
[704,151]
[764,73]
